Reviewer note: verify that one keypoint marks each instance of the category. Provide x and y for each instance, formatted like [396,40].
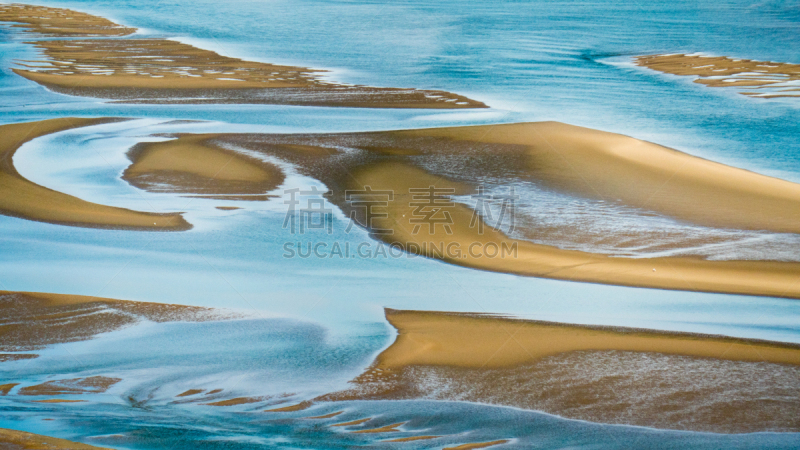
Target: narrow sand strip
[22,198]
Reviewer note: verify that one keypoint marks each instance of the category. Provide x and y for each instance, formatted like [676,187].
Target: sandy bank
[764,79]
[584,162]
[165,71]
[59,22]
[21,440]
[22,198]
[32,320]
[602,374]
[193,165]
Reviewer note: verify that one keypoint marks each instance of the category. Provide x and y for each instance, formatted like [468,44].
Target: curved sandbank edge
[20,197]
[601,374]
[23,440]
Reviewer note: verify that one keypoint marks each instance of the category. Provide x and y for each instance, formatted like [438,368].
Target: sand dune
[602,374]
[20,197]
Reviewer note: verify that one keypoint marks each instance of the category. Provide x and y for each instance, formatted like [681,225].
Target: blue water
[317,322]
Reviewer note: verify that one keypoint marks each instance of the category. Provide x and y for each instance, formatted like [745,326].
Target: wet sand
[572,159]
[31,320]
[766,79]
[601,374]
[168,72]
[59,22]
[193,165]
[13,439]
[74,386]
[22,198]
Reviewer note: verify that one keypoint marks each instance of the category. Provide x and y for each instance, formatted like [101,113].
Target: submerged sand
[165,71]
[22,198]
[580,161]
[32,320]
[764,79]
[602,374]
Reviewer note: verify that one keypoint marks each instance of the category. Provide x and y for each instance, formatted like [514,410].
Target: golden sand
[581,161]
[384,429]
[59,22]
[237,401]
[193,165]
[773,78]
[477,445]
[6,388]
[31,320]
[352,422]
[601,374]
[21,440]
[22,198]
[73,386]
[326,416]
[164,71]
[189,392]
[298,407]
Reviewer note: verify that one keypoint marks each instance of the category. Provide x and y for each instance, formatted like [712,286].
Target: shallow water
[317,322]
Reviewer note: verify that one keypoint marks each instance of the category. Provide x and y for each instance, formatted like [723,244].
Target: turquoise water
[316,323]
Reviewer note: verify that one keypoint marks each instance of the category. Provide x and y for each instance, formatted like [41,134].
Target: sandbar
[580,161]
[194,165]
[49,21]
[602,374]
[33,320]
[22,440]
[73,386]
[19,197]
[168,72]
[765,79]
